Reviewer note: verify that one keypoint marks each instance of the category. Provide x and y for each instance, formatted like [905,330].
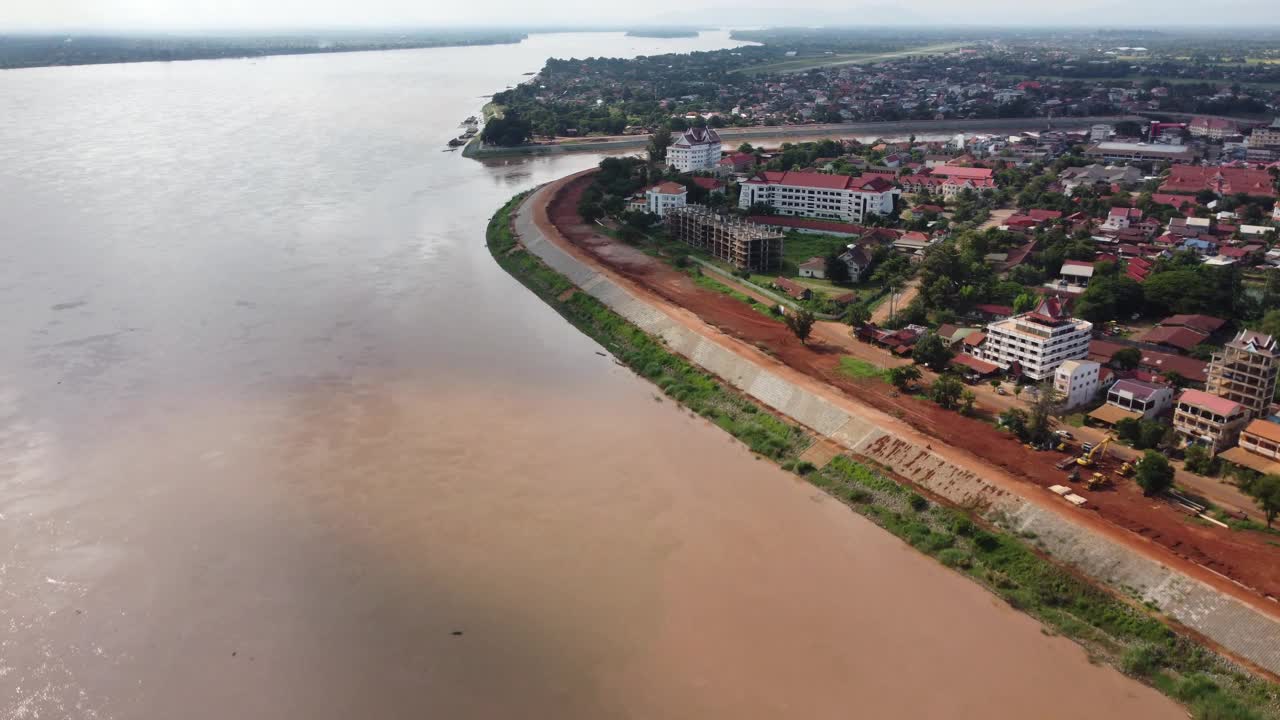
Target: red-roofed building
[1212,127]
[792,288]
[1120,218]
[738,163]
[1180,338]
[1206,324]
[709,184]
[1208,419]
[811,226]
[1191,179]
[1195,371]
[819,195]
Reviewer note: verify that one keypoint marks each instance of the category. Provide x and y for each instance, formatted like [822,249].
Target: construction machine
[1089,459]
[1098,481]
[1125,470]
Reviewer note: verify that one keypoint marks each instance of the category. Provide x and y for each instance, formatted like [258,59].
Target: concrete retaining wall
[1235,626]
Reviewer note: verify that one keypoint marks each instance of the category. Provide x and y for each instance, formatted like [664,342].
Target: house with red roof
[1209,420]
[709,184]
[819,195]
[1120,218]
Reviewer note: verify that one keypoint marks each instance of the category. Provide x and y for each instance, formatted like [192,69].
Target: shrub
[918,503]
[955,558]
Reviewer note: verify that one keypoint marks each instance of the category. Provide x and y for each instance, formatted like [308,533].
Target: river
[279,440]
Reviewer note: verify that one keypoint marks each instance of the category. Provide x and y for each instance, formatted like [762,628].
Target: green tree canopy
[1154,474]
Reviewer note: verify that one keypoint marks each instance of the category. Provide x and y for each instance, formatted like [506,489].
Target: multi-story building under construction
[1245,371]
[741,243]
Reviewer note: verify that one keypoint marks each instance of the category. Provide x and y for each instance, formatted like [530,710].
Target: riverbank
[797,133]
[1116,628]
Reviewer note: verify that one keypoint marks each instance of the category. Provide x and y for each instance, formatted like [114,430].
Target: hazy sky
[297,14]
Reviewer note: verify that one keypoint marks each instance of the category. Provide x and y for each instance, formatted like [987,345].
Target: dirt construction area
[1251,559]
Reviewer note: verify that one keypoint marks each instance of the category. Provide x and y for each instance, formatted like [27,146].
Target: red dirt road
[1121,513]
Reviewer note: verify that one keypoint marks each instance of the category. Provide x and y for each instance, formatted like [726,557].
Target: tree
[904,376]
[801,323]
[947,391]
[1016,421]
[1043,406]
[857,315]
[1025,302]
[837,269]
[659,141]
[1109,297]
[967,398]
[1126,359]
[1266,491]
[930,350]
[1270,323]
[1154,474]
[508,130]
[1200,461]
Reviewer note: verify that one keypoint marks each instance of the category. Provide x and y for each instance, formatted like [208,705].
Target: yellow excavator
[1090,458]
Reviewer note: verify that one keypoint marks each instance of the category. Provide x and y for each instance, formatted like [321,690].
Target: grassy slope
[1114,630]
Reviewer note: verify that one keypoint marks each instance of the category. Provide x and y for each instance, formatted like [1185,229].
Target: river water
[279,440]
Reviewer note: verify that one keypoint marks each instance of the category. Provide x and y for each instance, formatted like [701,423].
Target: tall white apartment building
[1038,341]
[695,150]
[819,195]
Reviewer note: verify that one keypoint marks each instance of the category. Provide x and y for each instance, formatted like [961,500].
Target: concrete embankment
[1242,629]
[732,136]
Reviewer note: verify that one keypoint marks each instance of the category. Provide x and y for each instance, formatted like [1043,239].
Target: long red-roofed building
[819,195]
[1189,180]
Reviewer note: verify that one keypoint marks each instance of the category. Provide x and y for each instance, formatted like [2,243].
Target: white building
[1077,382]
[818,195]
[665,196]
[1101,133]
[1038,341]
[1120,218]
[696,149]
[1147,398]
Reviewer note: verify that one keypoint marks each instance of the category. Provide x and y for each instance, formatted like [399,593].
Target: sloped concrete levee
[1240,629]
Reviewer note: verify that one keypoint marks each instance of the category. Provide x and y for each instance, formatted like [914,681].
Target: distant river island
[24,51]
[663,33]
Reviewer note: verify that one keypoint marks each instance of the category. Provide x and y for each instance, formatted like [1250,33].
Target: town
[799,77]
[1109,295]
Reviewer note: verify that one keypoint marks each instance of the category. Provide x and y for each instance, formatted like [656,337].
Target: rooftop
[1212,403]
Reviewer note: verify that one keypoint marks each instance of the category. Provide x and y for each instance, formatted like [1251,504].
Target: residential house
[664,196]
[1216,422]
[1145,398]
[858,260]
[1259,447]
[1077,382]
[792,288]
[814,268]
[1120,218]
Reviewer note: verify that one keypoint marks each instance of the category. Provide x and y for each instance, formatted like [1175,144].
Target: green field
[800,64]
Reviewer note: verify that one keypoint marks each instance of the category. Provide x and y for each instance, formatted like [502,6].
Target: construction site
[741,243]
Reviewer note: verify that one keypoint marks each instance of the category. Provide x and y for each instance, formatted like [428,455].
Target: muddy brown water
[279,440]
